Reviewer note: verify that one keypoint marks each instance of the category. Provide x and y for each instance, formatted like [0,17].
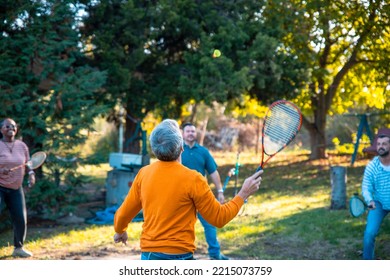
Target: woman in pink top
[14,153]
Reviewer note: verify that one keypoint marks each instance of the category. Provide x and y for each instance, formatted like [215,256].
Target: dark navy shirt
[198,158]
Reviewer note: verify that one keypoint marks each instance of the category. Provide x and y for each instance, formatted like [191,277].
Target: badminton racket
[357,206]
[36,160]
[281,124]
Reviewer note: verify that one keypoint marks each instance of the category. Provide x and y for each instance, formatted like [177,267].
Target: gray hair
[166,140]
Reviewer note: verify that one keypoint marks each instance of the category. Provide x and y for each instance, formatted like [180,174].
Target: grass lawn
[288,219]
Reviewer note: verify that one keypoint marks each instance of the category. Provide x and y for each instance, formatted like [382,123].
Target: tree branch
[352,60]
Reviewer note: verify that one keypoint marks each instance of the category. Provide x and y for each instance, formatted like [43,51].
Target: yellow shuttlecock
[216,53]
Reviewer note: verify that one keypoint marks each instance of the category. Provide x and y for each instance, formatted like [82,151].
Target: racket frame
[263,128]
[357,198]
[41,161]
[30,161]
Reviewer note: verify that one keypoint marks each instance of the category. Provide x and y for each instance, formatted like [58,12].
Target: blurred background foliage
[68,67]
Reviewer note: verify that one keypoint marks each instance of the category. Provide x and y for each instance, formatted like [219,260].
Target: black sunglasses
[8,126]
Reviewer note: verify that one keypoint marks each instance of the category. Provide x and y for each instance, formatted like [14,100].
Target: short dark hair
[383,136]
[187,124]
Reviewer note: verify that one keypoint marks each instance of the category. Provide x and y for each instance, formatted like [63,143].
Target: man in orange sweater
[170,195]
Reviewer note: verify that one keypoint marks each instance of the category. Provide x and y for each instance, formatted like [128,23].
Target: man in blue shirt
[199,158]
[376,193]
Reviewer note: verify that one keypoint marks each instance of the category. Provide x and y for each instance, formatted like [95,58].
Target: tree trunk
[133,137]
[338,179]
[204,129]
[320,104]
[258,131]
[317,144]
[317,131]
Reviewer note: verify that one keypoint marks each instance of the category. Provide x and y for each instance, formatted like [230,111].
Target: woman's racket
[281,124]
[357,206]
[36,160]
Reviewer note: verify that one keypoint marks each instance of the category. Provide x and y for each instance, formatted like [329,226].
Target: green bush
[58,191]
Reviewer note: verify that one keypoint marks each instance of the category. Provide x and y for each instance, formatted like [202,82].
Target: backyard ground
[289,219]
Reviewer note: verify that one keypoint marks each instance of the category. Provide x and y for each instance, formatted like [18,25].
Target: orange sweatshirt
[170,194]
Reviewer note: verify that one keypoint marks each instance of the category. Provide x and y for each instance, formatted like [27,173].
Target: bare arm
[216,179]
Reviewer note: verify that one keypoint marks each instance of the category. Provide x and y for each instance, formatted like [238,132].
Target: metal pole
[236,173]
[121,113]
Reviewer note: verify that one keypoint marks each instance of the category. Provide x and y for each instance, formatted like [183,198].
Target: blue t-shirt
[198,158]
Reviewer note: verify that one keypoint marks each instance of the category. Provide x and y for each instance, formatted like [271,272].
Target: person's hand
[251,185]
[371,205]
[31,180]
[121,237]
[221,197]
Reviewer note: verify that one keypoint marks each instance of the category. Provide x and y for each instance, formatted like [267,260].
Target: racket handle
[258,169]
[225,183]
[16,167]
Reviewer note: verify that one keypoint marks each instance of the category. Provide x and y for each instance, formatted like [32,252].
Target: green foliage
[159,54]
[344,46]
[59,194]
[47,88]
[59,71]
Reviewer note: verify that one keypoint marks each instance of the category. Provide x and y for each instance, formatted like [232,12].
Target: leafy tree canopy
[159,54]
[346,49]
[47,87]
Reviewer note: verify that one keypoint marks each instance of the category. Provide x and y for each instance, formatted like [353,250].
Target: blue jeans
[162,256]
[374,221]
[210,233]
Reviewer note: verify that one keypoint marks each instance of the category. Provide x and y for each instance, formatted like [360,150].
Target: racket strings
[356,206]
[37,159]
[282,124]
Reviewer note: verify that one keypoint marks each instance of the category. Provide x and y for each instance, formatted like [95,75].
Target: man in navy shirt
[199,158]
